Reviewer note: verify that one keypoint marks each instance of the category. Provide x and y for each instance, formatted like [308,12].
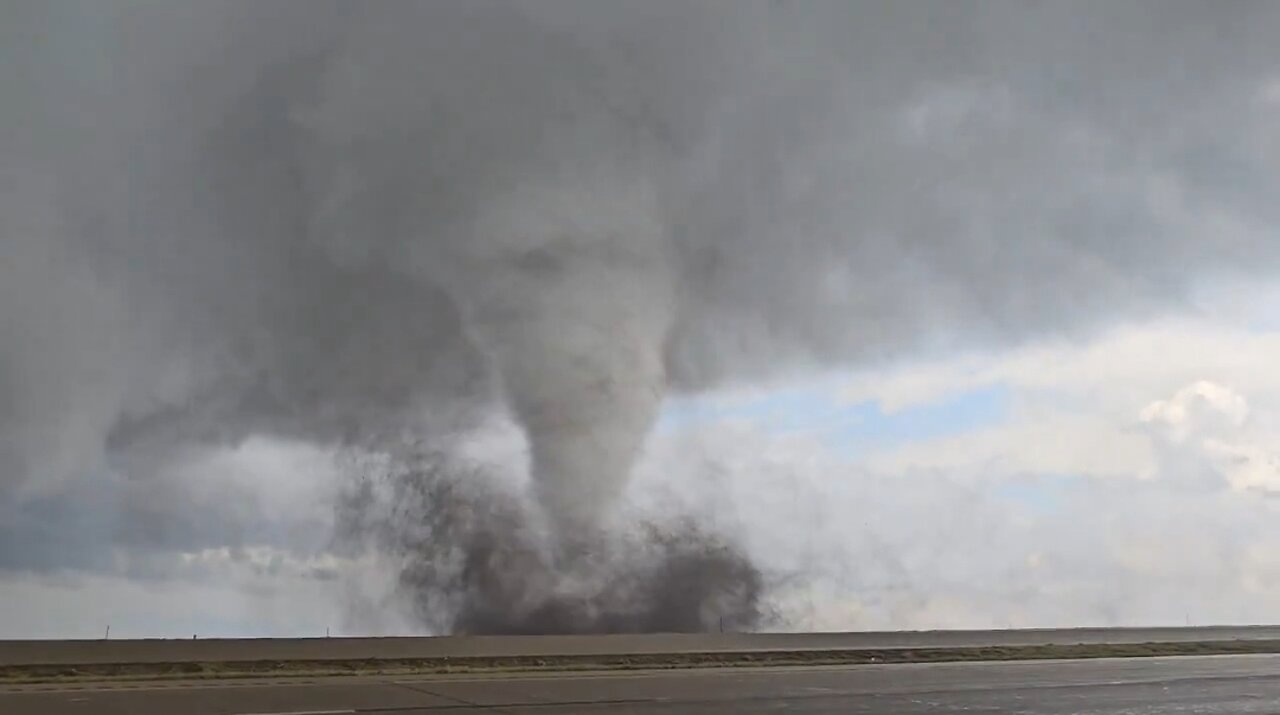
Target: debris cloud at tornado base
[373,226]
[470,560]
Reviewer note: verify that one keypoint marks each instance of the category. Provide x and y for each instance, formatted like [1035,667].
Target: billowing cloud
[1183,535]
[1205,429]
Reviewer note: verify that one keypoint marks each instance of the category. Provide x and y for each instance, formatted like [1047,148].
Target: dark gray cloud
[143,525]
[364,225]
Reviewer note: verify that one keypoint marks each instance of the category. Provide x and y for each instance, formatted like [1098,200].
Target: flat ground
[1222,684]
[338,649]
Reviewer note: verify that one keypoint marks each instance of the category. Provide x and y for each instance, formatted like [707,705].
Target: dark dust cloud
[369,226]
[467,552]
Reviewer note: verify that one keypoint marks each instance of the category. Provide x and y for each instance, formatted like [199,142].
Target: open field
[1205,685]
[65,661]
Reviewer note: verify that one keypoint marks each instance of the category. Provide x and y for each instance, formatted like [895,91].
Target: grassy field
[63,674]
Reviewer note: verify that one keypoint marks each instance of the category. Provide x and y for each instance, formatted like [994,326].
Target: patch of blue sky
[819,410]
[1039,494]
[956,414]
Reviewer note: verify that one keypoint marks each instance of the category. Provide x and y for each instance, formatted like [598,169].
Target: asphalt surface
[1206,685]
[212,650]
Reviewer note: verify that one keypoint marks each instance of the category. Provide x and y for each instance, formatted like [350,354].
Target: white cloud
[1009,524]
[853,545]
[1122,368]
[1034,439]
[1207,428]
[1247,466]
[247,605]
[1197,408]
[1087,406]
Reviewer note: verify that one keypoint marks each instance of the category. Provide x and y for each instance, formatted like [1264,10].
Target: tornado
[568,288]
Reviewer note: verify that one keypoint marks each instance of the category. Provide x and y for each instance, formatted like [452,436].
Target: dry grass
[31,674]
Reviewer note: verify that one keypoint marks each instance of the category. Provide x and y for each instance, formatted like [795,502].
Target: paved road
[176,651]
[1209,685]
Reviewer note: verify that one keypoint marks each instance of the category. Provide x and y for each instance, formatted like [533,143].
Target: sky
[947,315]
